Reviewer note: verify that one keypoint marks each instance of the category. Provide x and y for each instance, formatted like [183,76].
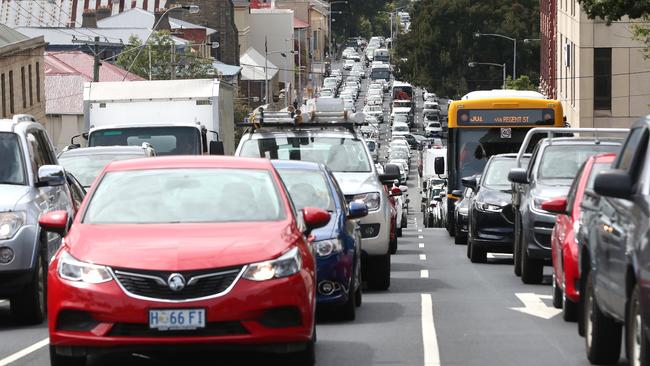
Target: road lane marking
[421,245]
[24,352]
[429,338]
[533,305]
[424,273]
[423,257]
[499,256]
[419,230]
[420,237]
[2,301]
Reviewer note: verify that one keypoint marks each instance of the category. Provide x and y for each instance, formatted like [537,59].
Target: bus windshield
[403,92]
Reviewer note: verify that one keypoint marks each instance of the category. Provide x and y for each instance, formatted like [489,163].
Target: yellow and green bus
[486,123]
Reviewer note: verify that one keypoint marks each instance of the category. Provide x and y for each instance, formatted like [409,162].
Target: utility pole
[94,46]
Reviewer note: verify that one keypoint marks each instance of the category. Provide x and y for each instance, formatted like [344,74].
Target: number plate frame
[177,319]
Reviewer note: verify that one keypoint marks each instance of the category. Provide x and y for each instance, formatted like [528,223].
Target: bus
[487,123]
[381,54]
[402,91]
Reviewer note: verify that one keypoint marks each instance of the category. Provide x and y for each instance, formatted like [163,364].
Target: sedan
[150,263]
[338,244]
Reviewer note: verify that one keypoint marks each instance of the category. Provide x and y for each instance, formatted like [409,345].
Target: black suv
[615,259]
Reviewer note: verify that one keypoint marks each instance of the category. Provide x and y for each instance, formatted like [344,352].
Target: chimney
[164,23]
[103,12]
[89,19]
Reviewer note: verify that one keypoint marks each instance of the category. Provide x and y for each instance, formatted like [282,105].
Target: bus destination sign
[506,117]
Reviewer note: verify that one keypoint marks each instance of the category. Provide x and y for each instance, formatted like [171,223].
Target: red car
[564,246]
[183,251]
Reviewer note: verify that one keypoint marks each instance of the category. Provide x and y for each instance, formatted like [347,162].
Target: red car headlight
[72,269]
[289,263]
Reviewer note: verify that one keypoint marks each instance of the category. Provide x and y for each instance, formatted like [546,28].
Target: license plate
[177,319]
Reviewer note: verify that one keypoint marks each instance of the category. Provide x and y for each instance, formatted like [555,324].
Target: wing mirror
[395,191]
[315,218]
[470,182]
[614,183]
[556,205]
[391,173]
[518,175]
[50,176]
[357,210]
[439,165]
[457,193]
[404,189]
[55,222]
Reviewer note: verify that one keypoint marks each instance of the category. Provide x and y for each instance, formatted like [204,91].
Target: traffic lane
[487,316]
[15,337]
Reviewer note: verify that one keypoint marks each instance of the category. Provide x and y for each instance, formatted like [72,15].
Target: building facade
[548,42]
[601,76]
[21,74]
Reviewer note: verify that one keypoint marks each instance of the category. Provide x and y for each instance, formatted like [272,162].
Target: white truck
[177,117]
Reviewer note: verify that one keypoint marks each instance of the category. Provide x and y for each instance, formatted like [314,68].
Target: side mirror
[408,200]
[54,221]
[216,148]
[518,175]
[395,191]
[457,192]
[391,173]
[556,205]
[614,183]
[404,188]
[315,218]
[357,210]
[439,165]
[470,182]
[50,176]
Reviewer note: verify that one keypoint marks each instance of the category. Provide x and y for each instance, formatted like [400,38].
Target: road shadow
[342,353]
[368,313]
[420,285]
[8,323]
[406,267]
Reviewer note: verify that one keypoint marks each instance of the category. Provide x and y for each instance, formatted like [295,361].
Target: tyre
[532,270]
[636,341]
[460,239]
[469,248]
[348,310]
[30,305]
[393,245]
[430,221]
[359,297]
[516,251]
[569,308]
[405,222]
[307,356]
[477,254]
[602,333]
[399,232]
[379,272]
[557,293]
[59,360]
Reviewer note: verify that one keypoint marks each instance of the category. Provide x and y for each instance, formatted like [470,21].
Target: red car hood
[179,247]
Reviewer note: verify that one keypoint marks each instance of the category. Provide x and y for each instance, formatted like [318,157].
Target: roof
[225,69]
[299,24]
[113,150]
[253,65]
[270,132]
[140,18]
[9,36]
[171,162]
[503,93]
[581,141]
[295,164]
[64,36]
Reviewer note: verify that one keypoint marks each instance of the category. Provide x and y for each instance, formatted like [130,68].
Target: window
[633,152]
[4,96]
[31,87]
[11,91]
[573,74]
[23,87]
[602,78]
[38,82]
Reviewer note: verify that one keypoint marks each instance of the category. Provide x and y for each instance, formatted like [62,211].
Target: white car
[374,101]
[377,86]
[402,163]
[326,93]
[430,108]
[348,103]
[400,128]
[377,92]
[433,129]
[348,64]
[374,110]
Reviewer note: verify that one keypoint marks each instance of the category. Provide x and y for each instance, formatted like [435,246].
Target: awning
[252,66]
[225,69]
[299,24]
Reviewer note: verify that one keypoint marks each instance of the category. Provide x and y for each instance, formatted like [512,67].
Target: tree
[613,10]
[187,65]
[521,83]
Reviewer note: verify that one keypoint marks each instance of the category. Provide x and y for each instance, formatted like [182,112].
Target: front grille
[143,330]
[199,284]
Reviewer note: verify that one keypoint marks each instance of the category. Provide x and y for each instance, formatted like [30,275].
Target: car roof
[296,164]
[263,132]
[119,150]
[567,141]
[187,161]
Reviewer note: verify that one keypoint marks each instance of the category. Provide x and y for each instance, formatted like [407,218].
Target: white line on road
[420,237]
[24,352]
[419,230]
[424,273]
[423,257]
[429,338]
[421,245]
[2,301]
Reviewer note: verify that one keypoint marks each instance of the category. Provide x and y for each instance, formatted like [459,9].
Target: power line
[81,25]
[54,17]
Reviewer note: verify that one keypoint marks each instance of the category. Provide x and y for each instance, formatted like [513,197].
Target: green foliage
[441,43]
[521,83]
[613,10]
[365,18]
[641,33]
[189,65]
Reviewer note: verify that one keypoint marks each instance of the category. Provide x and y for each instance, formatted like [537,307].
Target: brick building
[548,42]
[21,74]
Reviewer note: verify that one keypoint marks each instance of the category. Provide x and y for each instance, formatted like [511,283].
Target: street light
[514,55]
[474,64]
[266,66]
[529,40]
[192,9]
[330,20]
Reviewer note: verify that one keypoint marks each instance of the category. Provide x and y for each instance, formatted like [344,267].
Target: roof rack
[552,132]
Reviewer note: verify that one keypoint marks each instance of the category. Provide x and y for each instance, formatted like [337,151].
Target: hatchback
[183,251]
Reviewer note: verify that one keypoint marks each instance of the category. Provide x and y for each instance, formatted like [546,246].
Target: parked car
[86,163]
[431,202]
[31,184]
[565,238]
[433,129]
[373,148]
[374,110]
[400,128]
[338,244]
[348,64]
[153,273]
[553,166]
[491,227]
[614,259]
[461,215]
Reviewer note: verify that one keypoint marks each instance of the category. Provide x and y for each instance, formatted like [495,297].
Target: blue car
[337,246]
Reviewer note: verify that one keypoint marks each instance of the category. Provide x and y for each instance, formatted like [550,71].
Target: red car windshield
[185,196]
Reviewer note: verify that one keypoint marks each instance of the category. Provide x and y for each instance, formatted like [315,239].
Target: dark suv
[615,259]
[553,165]
[31,183]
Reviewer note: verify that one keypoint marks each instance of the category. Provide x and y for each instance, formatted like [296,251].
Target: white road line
[421,245]
[2,301]
[419,230]
[429,338]
[423,257]
[424,273]
[420,237]
[24,352]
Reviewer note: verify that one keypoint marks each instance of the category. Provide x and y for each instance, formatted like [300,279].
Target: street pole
[504,76]
[97,61]
[266,68]
[150,62]
[514,61]
[300,67]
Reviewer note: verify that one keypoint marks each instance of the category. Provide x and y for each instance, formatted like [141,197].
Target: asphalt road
[440,310]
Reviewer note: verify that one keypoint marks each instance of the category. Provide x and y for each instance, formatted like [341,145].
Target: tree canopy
[613,10]
[436,52]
